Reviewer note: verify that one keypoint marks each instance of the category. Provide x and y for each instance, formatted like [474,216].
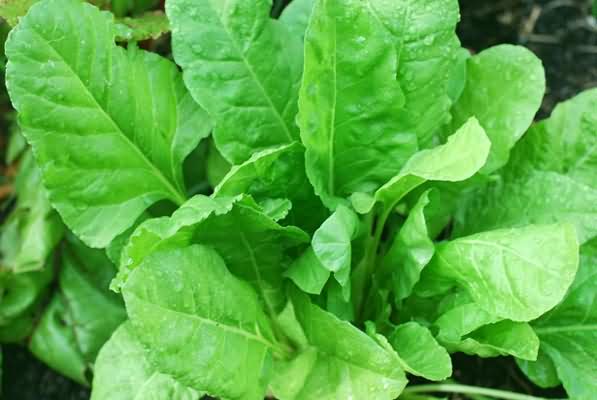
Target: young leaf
[516,274]
[277,173]
[13,10]
[205,327]
[420,353]
[88,102]
[424,35]
[252,244]
[354,367]
[550,177]
[504,88]
[308,273]
[349,102]
[542,372]
[122,372]
[568,333]
[458,159]
[150,25]
[82,314]
[33,228]
[410,252]
[243,67]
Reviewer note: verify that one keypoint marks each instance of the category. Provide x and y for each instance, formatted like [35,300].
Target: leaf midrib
[174,194]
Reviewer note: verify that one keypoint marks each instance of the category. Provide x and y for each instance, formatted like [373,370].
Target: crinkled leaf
[349,102]
[460,158]
[568,333]
[277,173]
[252,244]
[550,177]
[82,313]
[516,274]
[122,372]
[108,145]
[204,327]
[504,88]
[243,67]
[341,362]
[33,228]
[423,33]
[420,353]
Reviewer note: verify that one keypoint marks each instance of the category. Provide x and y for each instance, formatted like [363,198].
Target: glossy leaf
[221,47]
[568,333]
[94,131]
[504,88]
[205,327]
[551,176]
[340,362]
[349,102]
[150,25]
[420,353]
[516,274]
[423,33]
[122,372]
[308,273]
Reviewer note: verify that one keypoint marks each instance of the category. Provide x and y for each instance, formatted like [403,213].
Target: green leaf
[217,166]
[550,177]
[468,328]
[149,124]
[296,16]
[121,8]
[516,274]
[211,333]
[150,25]
[568,333]
[354,367]
[277,173]
[332,241]
[308,273]
[252,244]
[424,36]
[410,251]
[542,372]
[82,313]
[243,67]
[33,228]
[349,102]
[504,88]
[122,372]
[12,10]
[460,158]
[16,144]
[420,353]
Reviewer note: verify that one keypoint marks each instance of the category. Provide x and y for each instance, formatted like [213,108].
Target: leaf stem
[465,389]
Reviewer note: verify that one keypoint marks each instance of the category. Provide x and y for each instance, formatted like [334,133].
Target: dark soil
[561,32]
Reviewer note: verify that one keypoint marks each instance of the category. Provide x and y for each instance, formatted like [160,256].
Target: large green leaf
[204,327]
[427,48]
[516,274]
[568,333]
[243,67]
[349,102]
[550,177]
[82,313]
[504,88]
[33,228]
[277,173]
[109,127]
[122,372]
[458,159]
[420,353]
[252,244]
[339,362]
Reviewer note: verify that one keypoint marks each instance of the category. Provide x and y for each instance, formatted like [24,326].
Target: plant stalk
[466,389]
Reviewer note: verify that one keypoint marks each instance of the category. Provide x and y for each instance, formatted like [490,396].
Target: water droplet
[360,39]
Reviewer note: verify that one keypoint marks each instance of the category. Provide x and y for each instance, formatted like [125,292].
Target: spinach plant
[315,207]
